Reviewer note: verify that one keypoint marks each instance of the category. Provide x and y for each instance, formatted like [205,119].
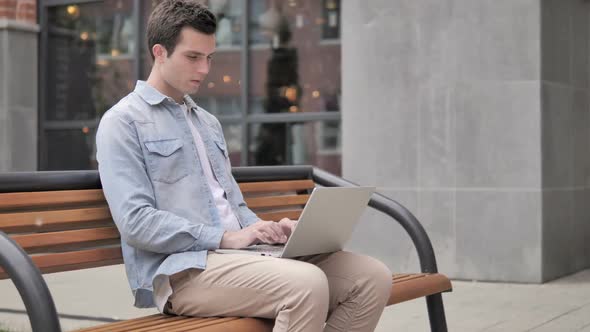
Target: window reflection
[90,51]
[330,19]
[229,18]
[294,67]
[90,68]
[295,55]
[221,91]
[308,143]
[71,149]
[233,138]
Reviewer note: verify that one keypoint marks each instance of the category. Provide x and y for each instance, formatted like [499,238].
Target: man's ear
[160,52]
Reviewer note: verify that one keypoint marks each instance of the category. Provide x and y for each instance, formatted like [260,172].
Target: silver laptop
[325,225]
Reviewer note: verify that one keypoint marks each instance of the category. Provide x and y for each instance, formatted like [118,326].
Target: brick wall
[20,10]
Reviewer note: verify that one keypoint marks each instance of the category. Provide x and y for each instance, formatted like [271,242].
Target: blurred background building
[472,113]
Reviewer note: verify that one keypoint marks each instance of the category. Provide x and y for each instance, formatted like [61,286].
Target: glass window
[331,19]
[71,149]
[293,70]
[90,58]
[233,138]
[307,143]
[222,88]
[229,22]
[294,67]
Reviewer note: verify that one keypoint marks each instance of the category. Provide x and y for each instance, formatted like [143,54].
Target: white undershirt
[229,221]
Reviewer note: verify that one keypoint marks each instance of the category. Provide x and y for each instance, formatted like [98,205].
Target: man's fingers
[271,232]
[263,237]
[272,238]
[287,225]
[266,236]
[275,229]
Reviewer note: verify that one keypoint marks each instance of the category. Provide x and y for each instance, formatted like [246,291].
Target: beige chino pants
[340,291]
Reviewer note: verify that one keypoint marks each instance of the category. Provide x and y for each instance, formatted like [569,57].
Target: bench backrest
[72,229]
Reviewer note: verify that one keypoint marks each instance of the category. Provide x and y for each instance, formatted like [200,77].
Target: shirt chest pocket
[221,147]
[166,160]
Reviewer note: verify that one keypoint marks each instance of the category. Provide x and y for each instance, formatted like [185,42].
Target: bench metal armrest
[30,284]
[395,210]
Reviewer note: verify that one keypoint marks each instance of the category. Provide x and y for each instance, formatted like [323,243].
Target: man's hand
[260,232]
[288,226]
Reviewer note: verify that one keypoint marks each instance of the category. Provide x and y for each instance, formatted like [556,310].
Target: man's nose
[203,67]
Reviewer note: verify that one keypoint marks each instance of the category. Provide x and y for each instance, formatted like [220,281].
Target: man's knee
[377,276]
[309,285]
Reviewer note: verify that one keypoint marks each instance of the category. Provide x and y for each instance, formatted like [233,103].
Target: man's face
[189,64]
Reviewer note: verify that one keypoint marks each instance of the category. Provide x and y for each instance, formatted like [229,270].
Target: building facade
[472,113]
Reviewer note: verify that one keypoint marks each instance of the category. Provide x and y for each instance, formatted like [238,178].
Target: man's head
[181,40]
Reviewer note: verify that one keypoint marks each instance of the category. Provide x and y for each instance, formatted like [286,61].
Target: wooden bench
[61,222]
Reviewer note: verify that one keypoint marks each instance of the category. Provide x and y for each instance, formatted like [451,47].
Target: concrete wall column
[473,114]
[18,85]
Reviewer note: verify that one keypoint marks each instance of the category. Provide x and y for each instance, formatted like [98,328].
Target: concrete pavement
[91,297]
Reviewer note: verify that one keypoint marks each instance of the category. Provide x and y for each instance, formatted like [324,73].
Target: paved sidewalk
[90,297]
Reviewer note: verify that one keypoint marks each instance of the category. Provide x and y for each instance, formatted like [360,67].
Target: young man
[166,175]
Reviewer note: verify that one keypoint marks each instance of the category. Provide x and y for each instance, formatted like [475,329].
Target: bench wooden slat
[422,285]
[242,325]
[408,277]
[66,239]
[276,201]
[276,216]
[276,186]
[64,219]
[134,324]
[156,321]
[189,324]
[181,324]
[58,262]
[170,320]
[50,198]
[75,260]
[118,325]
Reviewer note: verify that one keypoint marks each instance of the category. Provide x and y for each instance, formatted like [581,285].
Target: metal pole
[245,81]
[139,38]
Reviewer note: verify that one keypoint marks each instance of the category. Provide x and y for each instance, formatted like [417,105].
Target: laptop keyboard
[266,248]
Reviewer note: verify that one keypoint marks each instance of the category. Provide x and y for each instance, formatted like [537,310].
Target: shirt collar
[154,97]
[149,93]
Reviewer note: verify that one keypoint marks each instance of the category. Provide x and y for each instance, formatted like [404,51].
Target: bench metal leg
[436,313]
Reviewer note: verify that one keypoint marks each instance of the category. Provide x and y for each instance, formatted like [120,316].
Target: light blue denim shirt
[156,189]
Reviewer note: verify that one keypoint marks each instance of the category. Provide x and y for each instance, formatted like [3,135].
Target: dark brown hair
[170,16]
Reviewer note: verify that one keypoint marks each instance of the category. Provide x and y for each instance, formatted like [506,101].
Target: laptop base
[258,250]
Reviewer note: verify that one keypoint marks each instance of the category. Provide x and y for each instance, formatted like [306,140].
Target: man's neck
[164,88]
